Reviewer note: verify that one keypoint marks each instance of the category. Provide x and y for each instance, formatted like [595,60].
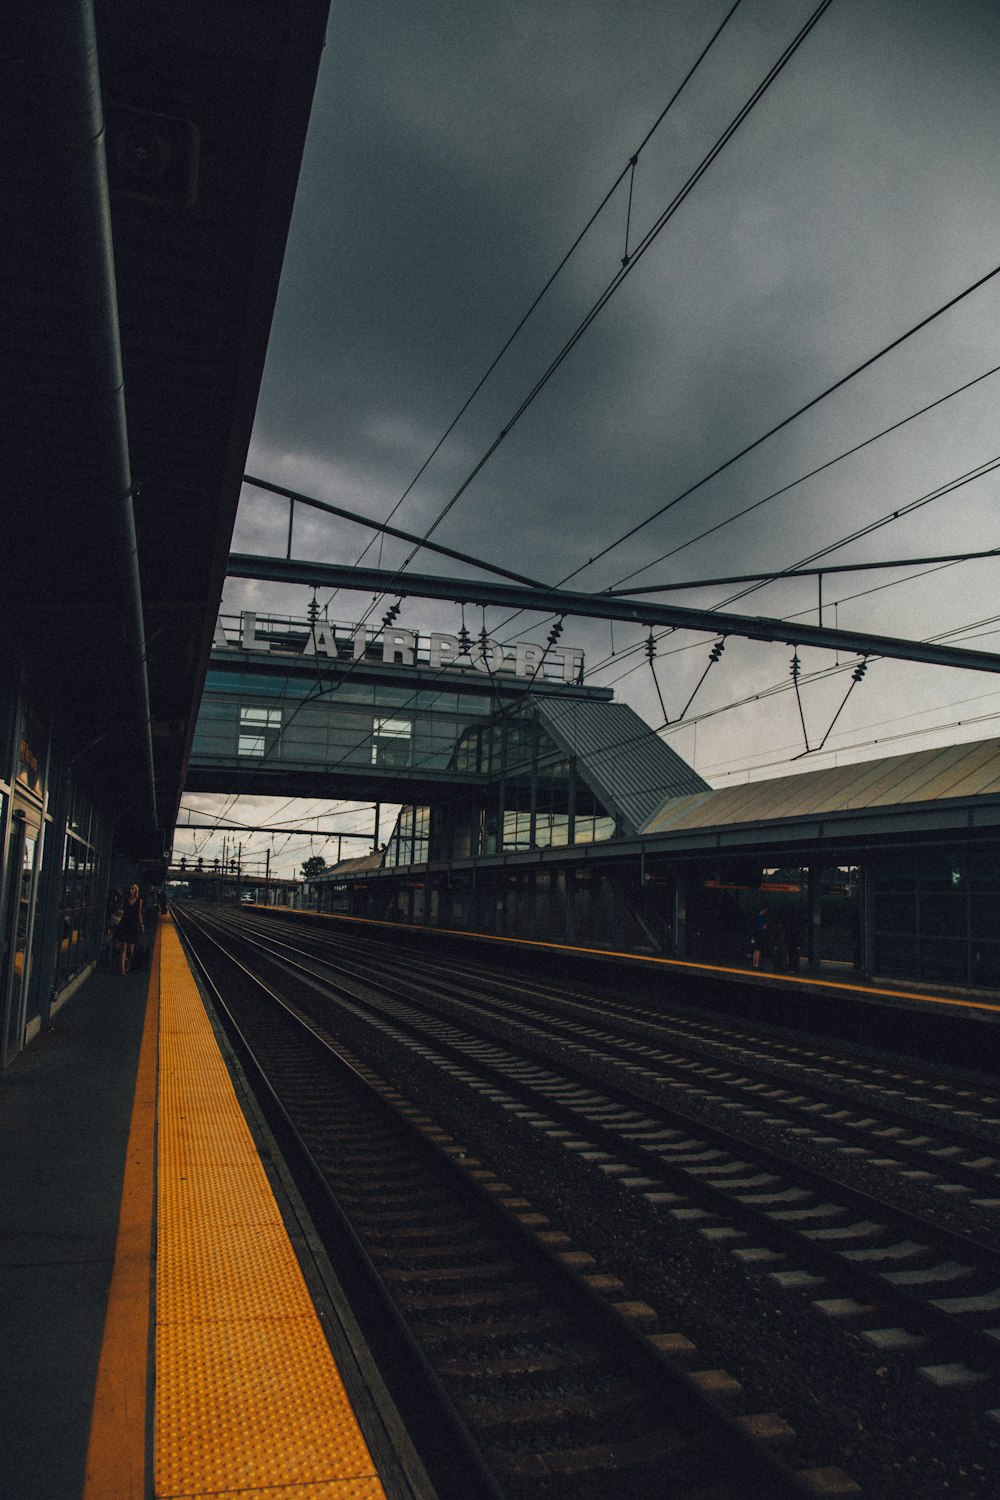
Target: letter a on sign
[324,643]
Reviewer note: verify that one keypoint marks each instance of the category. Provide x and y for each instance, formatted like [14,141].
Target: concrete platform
[154,1339]
[65,1106]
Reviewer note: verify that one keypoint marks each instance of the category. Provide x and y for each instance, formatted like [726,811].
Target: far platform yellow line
[753,975]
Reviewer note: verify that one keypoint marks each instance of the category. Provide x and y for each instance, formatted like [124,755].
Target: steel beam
[603,607]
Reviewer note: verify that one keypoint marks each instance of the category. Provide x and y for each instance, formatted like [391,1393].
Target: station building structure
[886,868]
[535,807]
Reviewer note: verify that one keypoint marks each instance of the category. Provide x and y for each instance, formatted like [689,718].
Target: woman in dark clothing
[130,928]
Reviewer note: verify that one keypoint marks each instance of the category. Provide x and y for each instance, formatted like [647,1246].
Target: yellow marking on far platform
[803,981]
[249,1401]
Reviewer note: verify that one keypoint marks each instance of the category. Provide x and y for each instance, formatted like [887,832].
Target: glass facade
[354,724]
[410,841]
[936,916]
[260,729]
[536,800]
[80,912]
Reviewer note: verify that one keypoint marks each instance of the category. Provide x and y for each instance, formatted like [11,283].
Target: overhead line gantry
[604,607]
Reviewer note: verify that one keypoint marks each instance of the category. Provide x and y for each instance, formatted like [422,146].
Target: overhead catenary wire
[770,576]
[847,453]
[779,426]
[783,752]
[895,342]
[626,270]
[746,771]
[627,171]
[650,236]
[886,585]
[792,484]
[856,676]
[980,471]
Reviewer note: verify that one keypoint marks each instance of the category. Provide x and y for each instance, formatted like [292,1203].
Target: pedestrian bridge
[505,747]
[313,709]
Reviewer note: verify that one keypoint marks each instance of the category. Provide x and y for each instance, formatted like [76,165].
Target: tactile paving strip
[248,1401]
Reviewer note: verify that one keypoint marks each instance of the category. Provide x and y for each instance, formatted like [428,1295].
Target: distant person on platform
[130,929]
[760,937]
[112,917]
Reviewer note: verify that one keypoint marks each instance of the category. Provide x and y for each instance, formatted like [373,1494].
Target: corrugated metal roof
[360,862]
[971,770]
[624,763]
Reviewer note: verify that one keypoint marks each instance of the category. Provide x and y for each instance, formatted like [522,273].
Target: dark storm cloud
[455,152]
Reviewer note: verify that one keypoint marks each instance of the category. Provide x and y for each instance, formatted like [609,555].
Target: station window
[391,739]
[259,730]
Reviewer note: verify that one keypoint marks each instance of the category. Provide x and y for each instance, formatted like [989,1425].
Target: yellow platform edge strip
[248,1397]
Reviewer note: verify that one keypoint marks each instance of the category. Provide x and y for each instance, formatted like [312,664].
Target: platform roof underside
[197,250]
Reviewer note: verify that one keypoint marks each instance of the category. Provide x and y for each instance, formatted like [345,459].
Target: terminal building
[535,807]
[885,868]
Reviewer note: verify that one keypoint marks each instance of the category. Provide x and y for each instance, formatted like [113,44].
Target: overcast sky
[456,151]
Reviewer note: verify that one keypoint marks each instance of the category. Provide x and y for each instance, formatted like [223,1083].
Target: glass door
[22,861]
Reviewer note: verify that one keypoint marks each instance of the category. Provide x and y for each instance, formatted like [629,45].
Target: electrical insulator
[650,647]
[795,668]
[464,641]
[859,671]
[716,651]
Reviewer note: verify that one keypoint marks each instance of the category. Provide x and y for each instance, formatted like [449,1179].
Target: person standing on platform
[130,929]
[112,917]
[760,937]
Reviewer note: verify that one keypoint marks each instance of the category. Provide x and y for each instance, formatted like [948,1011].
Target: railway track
[948,1132]
[565,1381]
[579,1101]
